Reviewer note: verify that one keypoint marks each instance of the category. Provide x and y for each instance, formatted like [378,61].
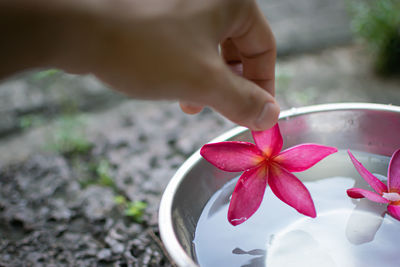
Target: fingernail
[267,117]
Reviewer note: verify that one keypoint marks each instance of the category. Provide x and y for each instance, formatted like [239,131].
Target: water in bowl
[346,232]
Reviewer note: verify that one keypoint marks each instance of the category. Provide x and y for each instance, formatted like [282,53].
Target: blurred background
[82,168]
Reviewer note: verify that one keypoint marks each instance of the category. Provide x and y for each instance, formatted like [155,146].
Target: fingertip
[267,118]
[246,104]
[190,108]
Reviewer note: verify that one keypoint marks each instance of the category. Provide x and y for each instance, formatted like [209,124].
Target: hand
[167,49]
[252,56]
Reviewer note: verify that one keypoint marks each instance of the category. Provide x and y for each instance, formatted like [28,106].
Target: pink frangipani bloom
[265,164]
[389,194]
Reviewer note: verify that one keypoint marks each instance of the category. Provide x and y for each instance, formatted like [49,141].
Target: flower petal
[394,172]
[232,156]
[374,182]
[270,141]
[291,190]
[394,210]
[361,193]
[300,158]
[248,194]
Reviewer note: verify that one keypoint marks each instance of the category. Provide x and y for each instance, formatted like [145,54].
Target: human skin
[153,49]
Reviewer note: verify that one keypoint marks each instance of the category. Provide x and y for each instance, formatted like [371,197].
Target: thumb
[244,102]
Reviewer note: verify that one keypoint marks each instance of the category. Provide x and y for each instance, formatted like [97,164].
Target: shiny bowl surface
[372,128]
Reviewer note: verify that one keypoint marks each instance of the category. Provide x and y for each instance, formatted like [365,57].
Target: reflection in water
[367,216]
[298,248]
[223,198]
[254,262]
[364,221]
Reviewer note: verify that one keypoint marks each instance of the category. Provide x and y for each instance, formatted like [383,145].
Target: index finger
[255,44]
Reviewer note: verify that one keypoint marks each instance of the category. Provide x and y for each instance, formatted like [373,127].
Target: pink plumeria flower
[389,194]
[264,163]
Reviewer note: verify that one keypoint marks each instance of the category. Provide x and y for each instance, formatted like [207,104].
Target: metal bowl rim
[167,233]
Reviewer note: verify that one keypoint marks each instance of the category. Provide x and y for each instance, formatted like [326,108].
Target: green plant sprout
[378,23]
[120,200]
[96,173]
[103,174]
[45,74]
[135,210]
[283,77]
[30,120]
[132,209]
[69,137]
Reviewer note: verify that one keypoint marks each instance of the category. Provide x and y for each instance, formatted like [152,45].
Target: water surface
[346,232]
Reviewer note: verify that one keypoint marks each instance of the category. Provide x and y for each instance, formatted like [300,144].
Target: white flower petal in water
[391,196]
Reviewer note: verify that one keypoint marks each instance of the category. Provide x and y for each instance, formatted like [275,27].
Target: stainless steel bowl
[370,128]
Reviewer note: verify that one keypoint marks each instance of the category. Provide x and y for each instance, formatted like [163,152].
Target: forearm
[67,34]
[44,34]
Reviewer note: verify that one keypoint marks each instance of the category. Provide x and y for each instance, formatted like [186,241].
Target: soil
[58,204]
